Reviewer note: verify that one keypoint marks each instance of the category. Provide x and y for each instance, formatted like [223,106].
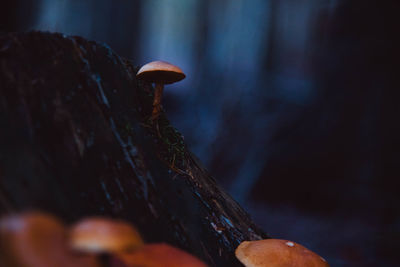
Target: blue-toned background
[292,105]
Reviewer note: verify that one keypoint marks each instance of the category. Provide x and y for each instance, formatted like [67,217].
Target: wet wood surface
[76,140]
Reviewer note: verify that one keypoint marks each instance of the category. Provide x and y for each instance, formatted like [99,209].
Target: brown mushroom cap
[160,72]
[160,255]
[103,235]
[37,240]
[277,253]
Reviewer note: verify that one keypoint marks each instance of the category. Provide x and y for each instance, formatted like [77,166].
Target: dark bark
[76,140]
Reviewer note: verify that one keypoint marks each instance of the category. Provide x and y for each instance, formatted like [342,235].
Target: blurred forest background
[291,105]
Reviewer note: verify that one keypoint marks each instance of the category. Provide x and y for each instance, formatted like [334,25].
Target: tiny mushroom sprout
[36,239]
[160,73]
[102,235]
[159,255]
[277,253]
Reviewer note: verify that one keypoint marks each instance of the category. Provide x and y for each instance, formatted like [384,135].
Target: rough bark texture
[76,140]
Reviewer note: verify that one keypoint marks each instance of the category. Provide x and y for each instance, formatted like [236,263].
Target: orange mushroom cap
[160,72]
[160,255]
[277,253]
[103,235]
[37,240]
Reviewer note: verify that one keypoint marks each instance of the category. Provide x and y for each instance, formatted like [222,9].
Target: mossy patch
[172,148]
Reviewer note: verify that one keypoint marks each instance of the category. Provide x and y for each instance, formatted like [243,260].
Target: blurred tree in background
[292,105]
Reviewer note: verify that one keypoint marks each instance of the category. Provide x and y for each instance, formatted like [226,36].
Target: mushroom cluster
[277,253]
[159,73]
[36,239]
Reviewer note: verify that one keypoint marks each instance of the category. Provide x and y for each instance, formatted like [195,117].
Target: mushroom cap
[160,255]
[160,72]
[37,240]
[277,253]
[103,235]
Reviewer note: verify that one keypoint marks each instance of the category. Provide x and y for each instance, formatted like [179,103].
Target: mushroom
[277,253]
[37,240]
[158,255]
[103,235]
[160,73]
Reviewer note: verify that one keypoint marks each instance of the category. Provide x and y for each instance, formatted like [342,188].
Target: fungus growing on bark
[159,255]
[36,240]
[277,253]
[160,73]
[102,235]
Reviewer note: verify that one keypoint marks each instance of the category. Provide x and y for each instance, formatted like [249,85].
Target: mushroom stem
[157,100]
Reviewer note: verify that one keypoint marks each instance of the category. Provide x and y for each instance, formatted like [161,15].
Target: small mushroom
[160,73]
[277,253]
[103,235]
[159,255]
[37,240]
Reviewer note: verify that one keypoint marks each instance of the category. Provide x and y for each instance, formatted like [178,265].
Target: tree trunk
[76,140]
